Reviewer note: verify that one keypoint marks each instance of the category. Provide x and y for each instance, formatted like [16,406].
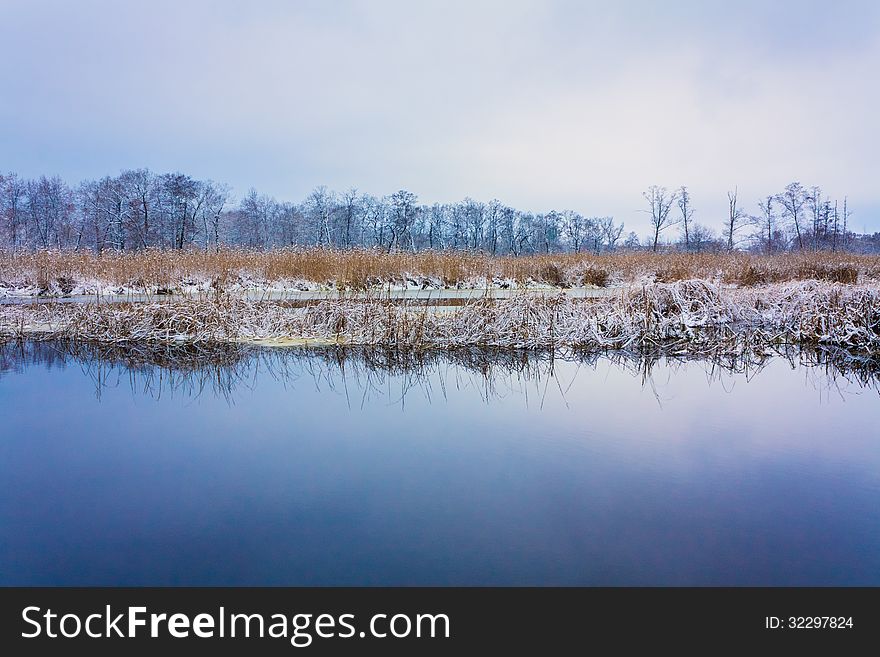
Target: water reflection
[223,370]
[245,466]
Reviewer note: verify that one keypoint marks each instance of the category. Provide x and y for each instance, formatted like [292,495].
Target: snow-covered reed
[691,316]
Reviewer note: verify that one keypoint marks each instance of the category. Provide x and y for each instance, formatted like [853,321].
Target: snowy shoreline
[694,316]
[246,286]
[111,295]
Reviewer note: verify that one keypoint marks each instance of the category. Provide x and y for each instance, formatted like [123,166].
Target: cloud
[545,105]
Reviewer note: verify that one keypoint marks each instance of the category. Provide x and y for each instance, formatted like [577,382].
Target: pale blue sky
[545,105]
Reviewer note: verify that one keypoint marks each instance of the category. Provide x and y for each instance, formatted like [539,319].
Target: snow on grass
[691,316]
[191,273]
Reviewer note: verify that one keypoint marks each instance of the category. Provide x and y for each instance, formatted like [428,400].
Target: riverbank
[693,316]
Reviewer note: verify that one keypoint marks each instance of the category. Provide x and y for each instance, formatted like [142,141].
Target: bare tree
[179,200]
[50,207]
[457,225]
[141,184]
[403,211]
[253,219]
[814,203]
[610,231]
[375,212]
[660,202]
[13,194]
[139,209]
[593,234]
[792,201]
[835,227]
[475,219]
[350,211]
[575,226]
[318,208]
[116,206]
[826,220]
[687,213]
[702,238]
[509,227]
[494,213]
[735,220]
[436,226]
[548,225]
[766,223]
[214,198]
[631,243]
[525,229]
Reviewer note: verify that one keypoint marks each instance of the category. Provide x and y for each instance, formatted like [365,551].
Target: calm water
[284,468]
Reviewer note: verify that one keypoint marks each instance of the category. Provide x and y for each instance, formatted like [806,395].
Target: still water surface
[302,468]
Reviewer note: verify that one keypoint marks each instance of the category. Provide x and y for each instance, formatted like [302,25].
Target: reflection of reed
[224,368]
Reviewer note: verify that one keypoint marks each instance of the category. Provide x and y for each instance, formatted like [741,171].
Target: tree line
[797,218]
[139,209]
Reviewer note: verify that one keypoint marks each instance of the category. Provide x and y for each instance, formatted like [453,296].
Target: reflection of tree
[221,369]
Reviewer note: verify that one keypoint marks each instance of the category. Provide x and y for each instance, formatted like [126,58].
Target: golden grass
[364,268]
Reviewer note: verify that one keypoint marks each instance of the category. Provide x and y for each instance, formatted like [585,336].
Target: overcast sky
[544,105]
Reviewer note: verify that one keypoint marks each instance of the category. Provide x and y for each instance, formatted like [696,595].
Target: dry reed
[693,316]
[154,271]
